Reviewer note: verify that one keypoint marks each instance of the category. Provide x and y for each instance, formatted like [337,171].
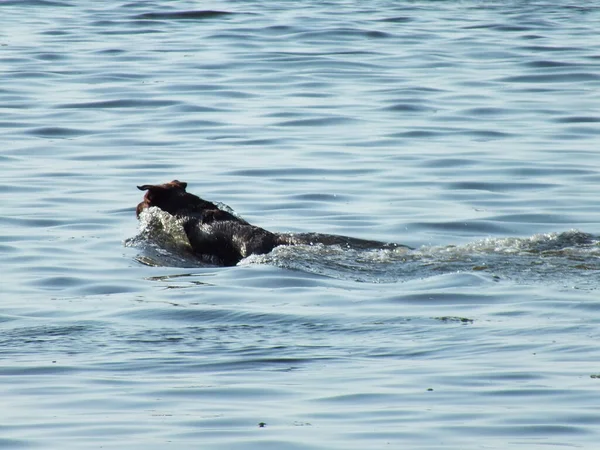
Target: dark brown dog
[216,236]
[221,238]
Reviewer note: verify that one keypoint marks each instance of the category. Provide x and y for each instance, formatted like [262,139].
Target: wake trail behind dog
[566,258]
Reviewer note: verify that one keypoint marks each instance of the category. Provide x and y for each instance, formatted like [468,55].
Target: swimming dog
[222,238]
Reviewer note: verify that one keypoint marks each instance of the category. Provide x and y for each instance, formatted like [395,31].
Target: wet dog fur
[216,236]
[221,238]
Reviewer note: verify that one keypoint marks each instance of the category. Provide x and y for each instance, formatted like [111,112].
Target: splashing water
[567,258]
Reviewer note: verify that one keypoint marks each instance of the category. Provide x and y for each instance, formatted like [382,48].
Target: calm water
[468,130]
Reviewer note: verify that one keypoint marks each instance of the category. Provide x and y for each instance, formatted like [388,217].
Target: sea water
[467,130]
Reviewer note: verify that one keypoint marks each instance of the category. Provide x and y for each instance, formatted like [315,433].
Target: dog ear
[180,184]
[154,191]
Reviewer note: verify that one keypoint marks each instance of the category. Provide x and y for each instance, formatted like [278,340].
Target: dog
[222,238]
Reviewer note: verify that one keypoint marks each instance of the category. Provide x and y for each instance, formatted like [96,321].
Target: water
[467,130]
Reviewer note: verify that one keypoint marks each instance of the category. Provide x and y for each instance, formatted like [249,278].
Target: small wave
[57,132]
[567,258]
[183,15]
[573,241]
[122,103]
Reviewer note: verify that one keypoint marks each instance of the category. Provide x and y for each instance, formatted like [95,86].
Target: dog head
[170,197]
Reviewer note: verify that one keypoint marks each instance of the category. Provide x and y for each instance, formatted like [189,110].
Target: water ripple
[182,15]
[467,130]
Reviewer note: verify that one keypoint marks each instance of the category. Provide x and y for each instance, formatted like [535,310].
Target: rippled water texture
[467,130]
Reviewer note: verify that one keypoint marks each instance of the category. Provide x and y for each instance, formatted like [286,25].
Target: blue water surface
[467,130]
